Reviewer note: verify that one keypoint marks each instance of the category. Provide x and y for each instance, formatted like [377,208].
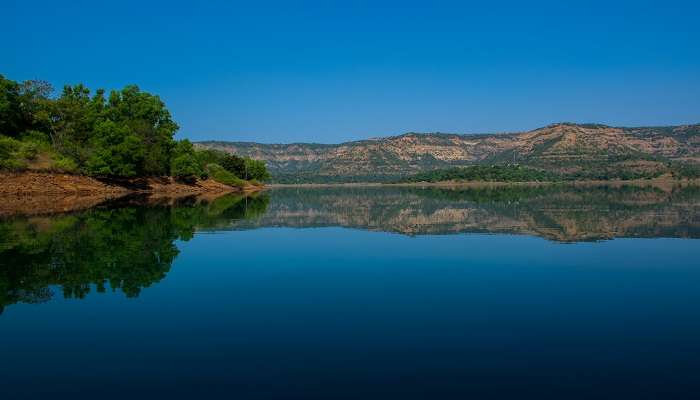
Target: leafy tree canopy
[125,134]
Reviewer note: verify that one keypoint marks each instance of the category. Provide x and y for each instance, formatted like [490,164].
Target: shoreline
[40,193]
[31,183]
[658,182]
[37,193]
[35,183]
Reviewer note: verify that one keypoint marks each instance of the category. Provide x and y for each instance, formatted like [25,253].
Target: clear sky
[334,71]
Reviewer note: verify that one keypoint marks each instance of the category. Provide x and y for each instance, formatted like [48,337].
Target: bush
[256,169]
[13,164]
[14,154]
[185,167]
[235,165]
[9,157]
[219,174]
[184,164]
[8,147]
[64,164]
[209,156]
[37,137]
[29,150]
[117,152]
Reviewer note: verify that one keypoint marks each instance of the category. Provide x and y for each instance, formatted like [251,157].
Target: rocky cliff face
[559,147]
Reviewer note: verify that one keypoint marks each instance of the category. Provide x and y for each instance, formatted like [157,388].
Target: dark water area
[376,292]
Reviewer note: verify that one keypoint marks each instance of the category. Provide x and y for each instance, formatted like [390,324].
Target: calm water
[357,293]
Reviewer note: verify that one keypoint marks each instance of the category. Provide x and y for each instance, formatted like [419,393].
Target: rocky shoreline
[45,183]
[42,192]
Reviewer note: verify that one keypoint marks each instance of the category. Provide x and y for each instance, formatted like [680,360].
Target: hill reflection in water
[559,213]
[129,244]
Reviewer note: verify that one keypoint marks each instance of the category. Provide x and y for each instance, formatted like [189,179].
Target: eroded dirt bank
[42,183]
[39,183]
[39,193]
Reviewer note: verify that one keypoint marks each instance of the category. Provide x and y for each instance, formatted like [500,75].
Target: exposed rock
[46,183]
[560,147]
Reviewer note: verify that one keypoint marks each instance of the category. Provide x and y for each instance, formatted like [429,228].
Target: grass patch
[33,151]
[10,154]
[219,174]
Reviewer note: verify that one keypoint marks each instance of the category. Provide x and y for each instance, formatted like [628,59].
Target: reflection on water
[560,213]
[126,245]
[431,312]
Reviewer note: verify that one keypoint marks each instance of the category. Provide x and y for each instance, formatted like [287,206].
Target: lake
[357,292]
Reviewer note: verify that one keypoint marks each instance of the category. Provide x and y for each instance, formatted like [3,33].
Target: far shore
[37,193]
[659,182]
[46,184]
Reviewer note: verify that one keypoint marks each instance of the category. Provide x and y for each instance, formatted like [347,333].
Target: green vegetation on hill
[32,147]
[492,173]
[573,151]
[220,174]
[127,133]
[685,171]
[518,173]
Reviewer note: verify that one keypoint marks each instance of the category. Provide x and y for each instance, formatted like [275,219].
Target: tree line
[125,133]
[489,173]
[519,173]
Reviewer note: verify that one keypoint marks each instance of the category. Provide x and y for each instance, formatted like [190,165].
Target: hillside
[585,150]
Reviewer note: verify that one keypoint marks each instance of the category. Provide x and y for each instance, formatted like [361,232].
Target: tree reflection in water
[129,244]
[126,245]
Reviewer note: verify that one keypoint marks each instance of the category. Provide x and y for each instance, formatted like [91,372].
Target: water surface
[545,292]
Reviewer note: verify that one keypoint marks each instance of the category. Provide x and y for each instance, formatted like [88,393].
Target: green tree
[9,107]
[128,134]
[256,169]
[71,120]
[234,164]
[20,103]
[148,118]
[115,151]
[209,156]
[184,164]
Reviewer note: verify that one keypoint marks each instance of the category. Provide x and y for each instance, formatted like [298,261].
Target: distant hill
[584,150]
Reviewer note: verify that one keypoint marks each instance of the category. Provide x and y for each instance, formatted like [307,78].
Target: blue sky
[334,71]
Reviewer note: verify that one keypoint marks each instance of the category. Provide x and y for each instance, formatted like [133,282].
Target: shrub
[185,167]
[8,147]
[9,157]
[37,137]
[209,156]
[184,164]
[12,164]
[234,164]
[117,152]
[219,174]
[29,150]
[256,169]
[64,164]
